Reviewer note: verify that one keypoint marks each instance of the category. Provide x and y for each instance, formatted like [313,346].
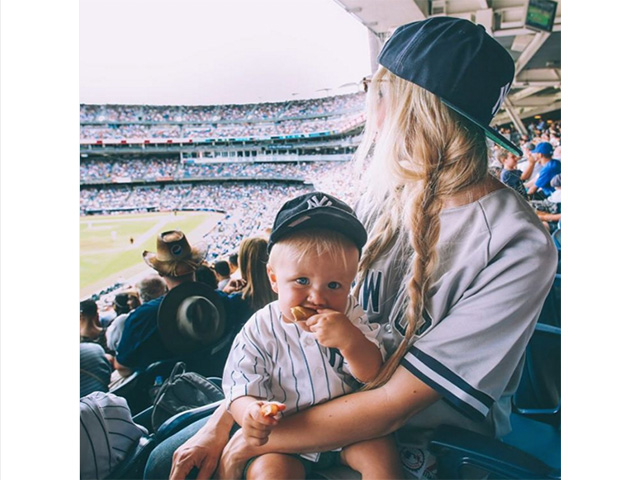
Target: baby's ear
[272,278]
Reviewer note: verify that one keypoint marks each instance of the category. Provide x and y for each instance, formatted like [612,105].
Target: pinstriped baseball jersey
[496,266]
[278,361]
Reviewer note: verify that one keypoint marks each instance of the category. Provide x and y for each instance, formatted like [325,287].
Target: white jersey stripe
[446,387]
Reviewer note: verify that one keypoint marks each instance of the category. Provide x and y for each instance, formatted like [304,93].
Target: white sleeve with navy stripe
[496,265]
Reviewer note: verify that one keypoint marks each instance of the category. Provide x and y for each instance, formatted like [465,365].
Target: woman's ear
[272,278]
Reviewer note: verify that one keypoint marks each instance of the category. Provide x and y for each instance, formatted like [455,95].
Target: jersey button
[308,341]
[387,327]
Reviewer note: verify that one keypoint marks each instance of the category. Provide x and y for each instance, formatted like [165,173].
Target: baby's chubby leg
[275,465]
[375,459]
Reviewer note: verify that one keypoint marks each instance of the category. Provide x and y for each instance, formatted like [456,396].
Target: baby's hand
[332,329]
[258,421]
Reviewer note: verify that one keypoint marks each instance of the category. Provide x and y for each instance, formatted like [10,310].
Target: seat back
[538,395]
[551,309]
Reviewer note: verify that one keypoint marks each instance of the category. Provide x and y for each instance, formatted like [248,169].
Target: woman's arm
[342,421]
[203,450]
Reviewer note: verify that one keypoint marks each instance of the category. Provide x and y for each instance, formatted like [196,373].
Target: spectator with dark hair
[205,274]
[121,303]
[549,168]
[90,329]
[223,273]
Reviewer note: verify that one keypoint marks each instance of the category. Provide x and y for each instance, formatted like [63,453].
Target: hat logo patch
[314,202]
[503,94]
[176,250]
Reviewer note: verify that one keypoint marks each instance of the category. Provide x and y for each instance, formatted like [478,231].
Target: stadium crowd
[107,171]
[268,128]
[302,117]
[216,113]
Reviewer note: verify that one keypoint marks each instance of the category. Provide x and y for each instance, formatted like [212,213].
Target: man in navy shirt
[142,341]
[550,168]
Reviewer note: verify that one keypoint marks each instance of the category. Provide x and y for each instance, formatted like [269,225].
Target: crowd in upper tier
[301,117]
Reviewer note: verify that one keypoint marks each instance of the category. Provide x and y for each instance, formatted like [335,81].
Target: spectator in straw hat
[144,338]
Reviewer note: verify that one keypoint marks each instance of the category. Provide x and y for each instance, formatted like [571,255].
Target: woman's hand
[201,451]
[234,457]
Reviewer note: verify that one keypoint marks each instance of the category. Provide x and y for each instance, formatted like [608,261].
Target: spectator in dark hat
[141,344]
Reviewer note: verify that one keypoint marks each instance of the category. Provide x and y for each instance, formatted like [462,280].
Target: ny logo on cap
[503,94]
[313,202]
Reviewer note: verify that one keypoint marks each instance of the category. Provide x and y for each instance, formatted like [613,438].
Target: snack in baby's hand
[301,313]
[271,409]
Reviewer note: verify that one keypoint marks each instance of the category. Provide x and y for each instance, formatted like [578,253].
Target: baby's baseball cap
[459,62]
[317,210]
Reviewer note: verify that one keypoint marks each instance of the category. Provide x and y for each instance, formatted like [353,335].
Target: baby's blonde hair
[422,153]
[319,242]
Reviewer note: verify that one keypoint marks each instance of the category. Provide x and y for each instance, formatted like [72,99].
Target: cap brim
[490,132]
[171,336]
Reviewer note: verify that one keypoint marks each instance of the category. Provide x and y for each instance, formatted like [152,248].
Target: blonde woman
[455,270]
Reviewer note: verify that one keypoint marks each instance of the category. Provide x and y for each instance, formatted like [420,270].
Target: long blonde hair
[252,260]
[422,152]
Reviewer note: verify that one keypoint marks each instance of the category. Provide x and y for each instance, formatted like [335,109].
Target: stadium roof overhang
[537,86]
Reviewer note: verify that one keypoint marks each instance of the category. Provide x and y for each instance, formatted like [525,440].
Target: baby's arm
[256,424]
[335,330]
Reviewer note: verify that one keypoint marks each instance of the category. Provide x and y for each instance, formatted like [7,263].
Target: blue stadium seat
[532,449]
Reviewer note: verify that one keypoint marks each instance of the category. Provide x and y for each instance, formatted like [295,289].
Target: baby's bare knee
[275,465]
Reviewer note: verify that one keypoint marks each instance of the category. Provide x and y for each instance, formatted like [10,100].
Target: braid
[424,234]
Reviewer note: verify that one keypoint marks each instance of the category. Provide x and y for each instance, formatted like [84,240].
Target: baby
[280,364]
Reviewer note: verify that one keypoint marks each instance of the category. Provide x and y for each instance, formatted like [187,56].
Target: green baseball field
[111,246]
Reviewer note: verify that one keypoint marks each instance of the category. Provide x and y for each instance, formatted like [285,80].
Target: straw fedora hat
[191,316]
[175,257]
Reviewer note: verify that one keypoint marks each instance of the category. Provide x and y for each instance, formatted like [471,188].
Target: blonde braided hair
[420,153]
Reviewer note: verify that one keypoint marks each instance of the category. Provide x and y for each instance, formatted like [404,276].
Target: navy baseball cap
[545,148]
[459,62]
[317,210]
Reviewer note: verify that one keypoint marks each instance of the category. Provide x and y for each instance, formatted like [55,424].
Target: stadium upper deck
[137,124]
